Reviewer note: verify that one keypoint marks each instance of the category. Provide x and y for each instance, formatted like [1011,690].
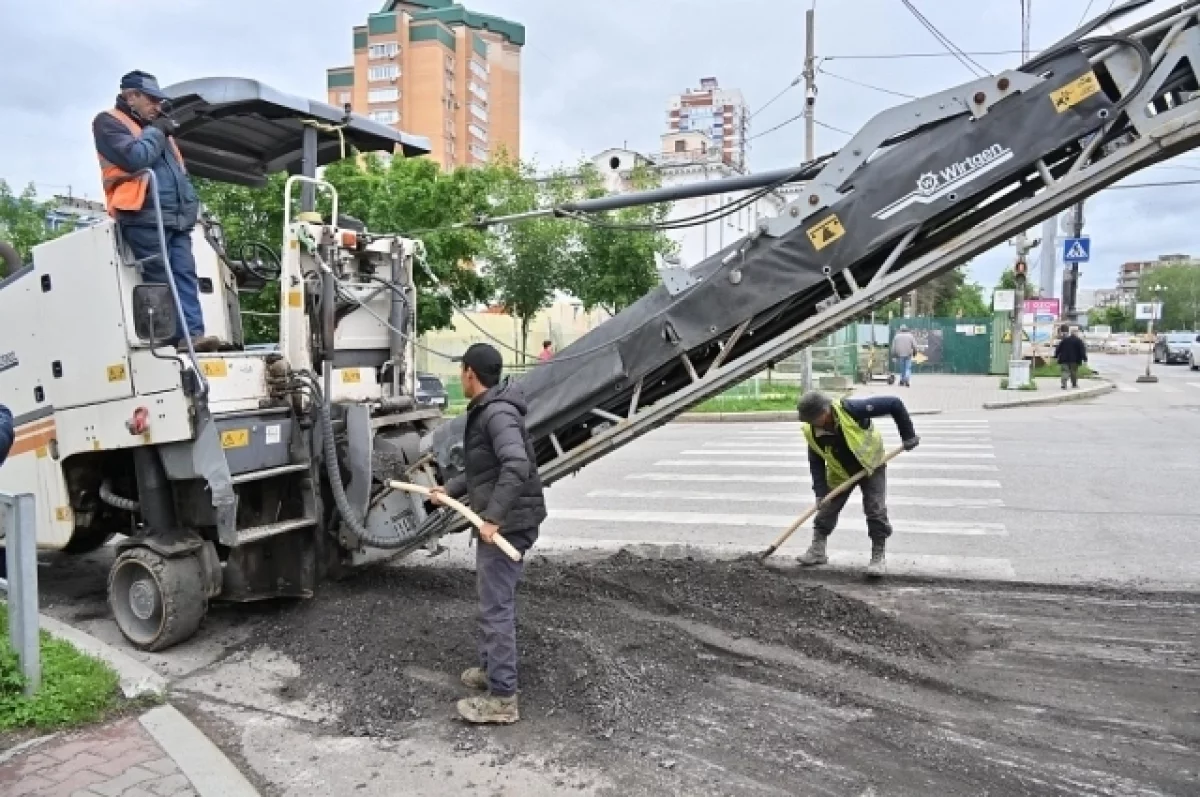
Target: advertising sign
[1039,318]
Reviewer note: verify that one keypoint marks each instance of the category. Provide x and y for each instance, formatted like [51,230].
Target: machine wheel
[157,602]
[1192,363]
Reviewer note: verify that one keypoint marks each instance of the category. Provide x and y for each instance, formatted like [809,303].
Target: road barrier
[18,529]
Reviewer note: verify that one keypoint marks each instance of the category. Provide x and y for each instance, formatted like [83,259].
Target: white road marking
[702,519]
[1127,388]
[1194,384]
[800,461]
[924,445]
[1169,389]
[799,501]
[769,478]
[716,449]
[853,556]
[977,434]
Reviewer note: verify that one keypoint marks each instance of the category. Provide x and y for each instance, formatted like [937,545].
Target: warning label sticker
[1075,92]
[116,373]
[826,232]
[214,368]
[235,438]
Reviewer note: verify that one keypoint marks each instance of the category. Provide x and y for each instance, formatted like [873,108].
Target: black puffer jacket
[501,478]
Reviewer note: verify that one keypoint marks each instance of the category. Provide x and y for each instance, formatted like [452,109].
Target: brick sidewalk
[950,392]
[118,759]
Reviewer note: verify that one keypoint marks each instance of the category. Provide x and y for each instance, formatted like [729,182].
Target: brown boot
[815,555]
[489,710]
[205,344]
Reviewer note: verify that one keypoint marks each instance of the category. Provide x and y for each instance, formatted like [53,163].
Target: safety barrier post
[18,528]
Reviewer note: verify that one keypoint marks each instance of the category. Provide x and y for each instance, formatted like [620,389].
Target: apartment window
[450,63]
[478,132]
[478,90]
[450,83]
[383,95]
[681,146]
[388,72]
[388,117]
[478,111]
[343,98]
[383,50]
[479,152]
[479,68]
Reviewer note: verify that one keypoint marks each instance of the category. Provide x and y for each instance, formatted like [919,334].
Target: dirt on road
[697,678]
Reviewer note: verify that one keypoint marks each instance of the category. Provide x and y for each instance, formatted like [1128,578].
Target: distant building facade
[73,213]
[720,114]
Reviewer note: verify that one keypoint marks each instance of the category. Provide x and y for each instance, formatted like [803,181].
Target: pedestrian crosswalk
[730,487]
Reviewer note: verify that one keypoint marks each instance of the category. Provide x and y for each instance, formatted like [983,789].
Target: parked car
[430,391]
[1174,347]
[1194,353]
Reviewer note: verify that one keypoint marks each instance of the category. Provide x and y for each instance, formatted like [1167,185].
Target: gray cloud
[597,73]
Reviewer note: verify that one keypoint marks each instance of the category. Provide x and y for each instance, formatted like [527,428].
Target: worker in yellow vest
[133,136]
[842,441]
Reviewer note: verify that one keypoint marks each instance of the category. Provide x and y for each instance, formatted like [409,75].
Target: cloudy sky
[597,73]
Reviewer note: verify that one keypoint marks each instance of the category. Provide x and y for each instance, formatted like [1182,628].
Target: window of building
[450,63]
[478,132]
[478,111]
[388,72]
[388,117]
[479,68]
[681,146]
[343,98]
[383,50]
[478,90]
[383,95]
[479,152]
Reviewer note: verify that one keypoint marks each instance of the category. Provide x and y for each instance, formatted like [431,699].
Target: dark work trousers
[1070,371]
[496,578]
[143,242]
[874,495]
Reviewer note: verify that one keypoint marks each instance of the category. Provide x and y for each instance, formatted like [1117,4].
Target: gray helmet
[813,405]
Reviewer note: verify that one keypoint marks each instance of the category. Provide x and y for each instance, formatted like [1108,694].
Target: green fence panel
[950,345]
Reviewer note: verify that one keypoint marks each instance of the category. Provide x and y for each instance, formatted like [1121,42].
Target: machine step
[269,473]
[256,533]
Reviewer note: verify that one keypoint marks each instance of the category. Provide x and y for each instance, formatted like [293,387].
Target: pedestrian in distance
[843,441]
[7,434]
[904,348]
[503,487]
[135,135]
[1070,352]
[547,351]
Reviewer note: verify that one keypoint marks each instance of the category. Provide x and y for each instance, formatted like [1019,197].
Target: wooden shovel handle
[465,511]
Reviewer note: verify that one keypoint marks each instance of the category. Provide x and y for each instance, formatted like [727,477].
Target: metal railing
[18,529]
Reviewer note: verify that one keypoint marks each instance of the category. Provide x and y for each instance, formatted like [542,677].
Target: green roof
[340,78]
[454,14]
[360,40]
[381,23]
[432,32]
[479,45]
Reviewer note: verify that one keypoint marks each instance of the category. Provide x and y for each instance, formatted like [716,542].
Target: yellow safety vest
[865,444]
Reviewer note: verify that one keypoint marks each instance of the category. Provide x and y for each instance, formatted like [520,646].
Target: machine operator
[137,134]
[842,441]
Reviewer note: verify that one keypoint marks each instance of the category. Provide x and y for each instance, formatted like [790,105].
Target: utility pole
[1071,270]
[810,101]
[1020,272]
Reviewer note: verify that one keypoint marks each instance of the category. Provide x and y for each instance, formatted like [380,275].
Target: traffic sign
[1004,301]
[1148,311]
[1077,250]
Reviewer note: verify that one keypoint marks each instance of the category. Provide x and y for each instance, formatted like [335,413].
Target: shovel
[476,520]
[834,493]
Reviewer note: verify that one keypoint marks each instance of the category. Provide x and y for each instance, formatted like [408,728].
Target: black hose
[10,260]
[1122,41]
[112,499]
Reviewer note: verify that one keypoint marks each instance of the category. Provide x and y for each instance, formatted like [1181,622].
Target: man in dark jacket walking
[137,135]
[1071,352]
[6,433]
[503,486]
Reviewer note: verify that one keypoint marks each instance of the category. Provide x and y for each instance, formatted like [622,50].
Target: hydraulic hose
[112,499]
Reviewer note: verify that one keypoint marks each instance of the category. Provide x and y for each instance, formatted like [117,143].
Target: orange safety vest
[130,194]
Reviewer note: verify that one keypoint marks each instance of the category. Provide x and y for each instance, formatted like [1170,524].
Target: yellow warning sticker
[116,373]
[351,376]
[825,233]
[294,299]
[1075,92]
[235,438]
[62,513]
[214,368]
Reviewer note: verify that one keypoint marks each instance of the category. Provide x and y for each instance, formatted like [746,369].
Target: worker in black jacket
[6,433]
[1071,352]
[502,484]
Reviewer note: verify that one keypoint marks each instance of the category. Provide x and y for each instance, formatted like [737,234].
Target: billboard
[1038,319]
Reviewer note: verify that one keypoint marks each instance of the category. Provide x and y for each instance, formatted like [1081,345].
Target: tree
[950,295]
[1118,318]
[23,220]
[1008,282]
[526,259]
[1178,288]
[614,261]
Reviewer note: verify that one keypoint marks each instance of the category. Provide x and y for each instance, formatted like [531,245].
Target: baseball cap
[483,359]
[144,82]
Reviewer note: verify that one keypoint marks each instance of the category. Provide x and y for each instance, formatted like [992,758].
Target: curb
[211,773]
[1062,398]
[759,417]
[136,679]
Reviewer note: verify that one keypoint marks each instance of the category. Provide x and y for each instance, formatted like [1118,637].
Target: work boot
[489,710]
[815,555]
[205,344]
[878,564]
[476,678]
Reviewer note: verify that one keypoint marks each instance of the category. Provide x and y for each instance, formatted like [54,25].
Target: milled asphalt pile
[600,643]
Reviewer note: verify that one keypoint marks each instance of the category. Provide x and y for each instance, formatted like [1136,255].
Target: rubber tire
[1192,363]
[181,593]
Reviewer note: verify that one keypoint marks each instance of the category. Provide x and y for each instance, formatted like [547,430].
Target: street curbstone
[1049,400]
[759,417]
[136,679]
[211,773]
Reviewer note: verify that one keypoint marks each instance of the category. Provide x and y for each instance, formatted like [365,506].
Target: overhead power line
[971,64]
[1153,185]
[795,82]
[854,82]
[1083,16]
[793,120]
[887,56]
[819,123]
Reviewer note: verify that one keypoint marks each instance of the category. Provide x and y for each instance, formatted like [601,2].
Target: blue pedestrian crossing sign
[1077,250]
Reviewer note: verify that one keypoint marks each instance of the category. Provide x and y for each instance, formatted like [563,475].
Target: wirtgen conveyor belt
[921,189]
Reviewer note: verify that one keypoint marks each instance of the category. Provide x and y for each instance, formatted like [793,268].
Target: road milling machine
[248,474]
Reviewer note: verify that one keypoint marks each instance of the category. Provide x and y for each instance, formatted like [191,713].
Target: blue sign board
[1077,250]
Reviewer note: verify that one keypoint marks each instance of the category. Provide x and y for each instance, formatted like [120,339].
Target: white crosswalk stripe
[966,528]
[800,502]
[800,461]
[1127,388]
[773,478]
[1193,384]
[924,446]
[717,449]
